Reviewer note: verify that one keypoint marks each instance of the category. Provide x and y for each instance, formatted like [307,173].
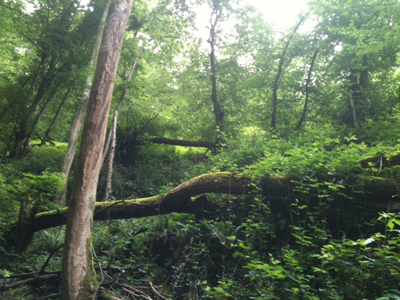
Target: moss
[53,212]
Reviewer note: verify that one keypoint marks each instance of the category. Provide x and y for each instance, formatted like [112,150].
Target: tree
[215,17]
[279,73]
[362,42]
[77,123]
[79,279]
[53,48]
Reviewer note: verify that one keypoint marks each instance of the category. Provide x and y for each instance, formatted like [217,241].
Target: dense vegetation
[297,131]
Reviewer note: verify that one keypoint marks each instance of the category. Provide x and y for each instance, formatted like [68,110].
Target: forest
[192,149]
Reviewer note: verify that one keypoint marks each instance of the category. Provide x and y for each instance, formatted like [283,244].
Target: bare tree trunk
[278,76]
[303,116]
[47,134]
[78,274]
[77,123]
[113,134]
[218,112]
[352,110]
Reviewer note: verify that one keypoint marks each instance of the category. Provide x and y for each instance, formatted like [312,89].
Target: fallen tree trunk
[381,161]
[167,141]
[365,195]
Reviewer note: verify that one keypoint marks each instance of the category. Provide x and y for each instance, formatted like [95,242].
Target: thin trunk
[78,274]
[352,110]
[113,134]
[121,100]
[47,134]
[77,123]
[278,76]
[303,116]
[35,124]
[218,112]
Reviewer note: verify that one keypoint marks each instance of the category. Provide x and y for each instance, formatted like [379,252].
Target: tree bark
[77,123]
[278,76]
[79,278]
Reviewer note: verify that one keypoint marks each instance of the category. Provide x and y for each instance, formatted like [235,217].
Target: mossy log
[381,161]
[375,194]
[367,195]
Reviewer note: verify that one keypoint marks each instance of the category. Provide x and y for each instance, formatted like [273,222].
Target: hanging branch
[278,75]
[303,116]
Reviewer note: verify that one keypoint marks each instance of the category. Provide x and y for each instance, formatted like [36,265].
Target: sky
[282,13]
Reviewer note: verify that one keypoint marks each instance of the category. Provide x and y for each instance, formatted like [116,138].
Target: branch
[6,287]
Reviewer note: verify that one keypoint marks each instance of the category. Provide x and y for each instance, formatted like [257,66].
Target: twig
[156,292]
[41,272]
[101,271]
[6,287]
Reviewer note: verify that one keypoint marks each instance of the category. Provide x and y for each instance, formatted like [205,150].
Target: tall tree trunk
[278,76]
[77,123]
[218,112]
[303,116]
[79,278]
